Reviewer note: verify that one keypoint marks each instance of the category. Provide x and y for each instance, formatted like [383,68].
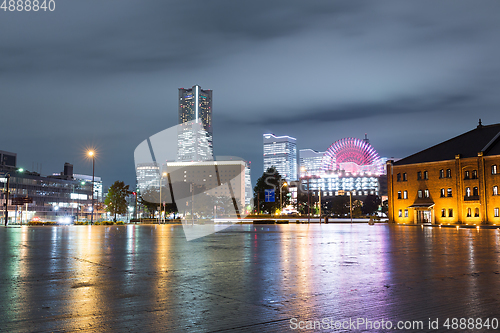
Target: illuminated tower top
[195,104]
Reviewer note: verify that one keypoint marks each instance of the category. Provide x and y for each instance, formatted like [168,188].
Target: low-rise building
[454,182]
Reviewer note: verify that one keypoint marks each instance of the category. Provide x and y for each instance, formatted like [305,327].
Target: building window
[467,191]
[476,212]
[493,169]
[398,177]
[497,211]
[399,194]
[405,194]
[400,213]
[448,173]
[419,175]
[405,178]
[469,212]
[475,191]
[467,175]
[449,193]
[406,212]
[426,193]
[450,212]
[443,212]
[474,174]
[426,175]
[419,193]
[442,193]
[495,190]
[441,173]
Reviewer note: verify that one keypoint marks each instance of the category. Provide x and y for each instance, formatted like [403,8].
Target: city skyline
[407,74]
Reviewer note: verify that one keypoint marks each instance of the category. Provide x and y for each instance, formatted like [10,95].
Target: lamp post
[350,204]
[281,187]
[7,199]
[91,154]
[161,202]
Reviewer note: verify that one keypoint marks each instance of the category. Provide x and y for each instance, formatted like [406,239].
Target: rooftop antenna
[366,138]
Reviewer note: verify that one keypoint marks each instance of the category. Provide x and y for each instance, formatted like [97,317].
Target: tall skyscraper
[195,117]
[281,152]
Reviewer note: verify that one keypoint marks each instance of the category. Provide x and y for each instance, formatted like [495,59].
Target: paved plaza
[247,278]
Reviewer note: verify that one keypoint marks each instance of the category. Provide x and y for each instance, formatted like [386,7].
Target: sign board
[269,194]
[21,201]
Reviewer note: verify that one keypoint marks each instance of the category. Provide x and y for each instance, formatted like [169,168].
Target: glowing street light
[281,187]
[92,155]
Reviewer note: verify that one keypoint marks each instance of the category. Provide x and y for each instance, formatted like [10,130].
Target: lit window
[400,213]
[493,169]
[497,212]
[419,193]
[467,191]
[443,212]
[426,175]
[399,177]
[469,212]
[476,212]
[406,212]
[475,191]
[426,193]
[405,194]
[495,190]
[449,193]
[442,193]
[474,174]
[419,175]
[399,194]
[405,178]
[466,175]
[441,173]
[450,212]
[448,173]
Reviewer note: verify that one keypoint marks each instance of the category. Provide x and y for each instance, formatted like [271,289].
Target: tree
[270,180]
[116,199]
[371,204]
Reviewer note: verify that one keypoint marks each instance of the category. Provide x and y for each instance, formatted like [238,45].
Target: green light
[20,170]
[83,183]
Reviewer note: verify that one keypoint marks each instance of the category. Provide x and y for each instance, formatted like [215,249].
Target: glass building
[281,152]
[148,175]
[194,142]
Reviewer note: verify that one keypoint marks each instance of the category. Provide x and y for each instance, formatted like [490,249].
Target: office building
[310,162]
[195,142]
[281,152]
[147,176]
[59,198]
[454,182]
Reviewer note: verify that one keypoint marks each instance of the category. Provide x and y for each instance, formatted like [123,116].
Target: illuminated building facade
[195,142]
[348,165]
[59,198]
[281,152]
[147,175]
[454,182]
[310,161]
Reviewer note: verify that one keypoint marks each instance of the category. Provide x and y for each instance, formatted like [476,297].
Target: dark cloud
[106,73]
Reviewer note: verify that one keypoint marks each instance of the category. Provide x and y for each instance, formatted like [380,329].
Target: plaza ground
[247,278]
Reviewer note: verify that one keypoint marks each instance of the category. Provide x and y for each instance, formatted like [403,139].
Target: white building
[281,152]
[310,162]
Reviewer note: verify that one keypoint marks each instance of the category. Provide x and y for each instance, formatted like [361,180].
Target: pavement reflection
[246,277]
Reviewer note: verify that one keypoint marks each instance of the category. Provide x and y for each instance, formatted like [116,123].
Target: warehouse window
[443,193]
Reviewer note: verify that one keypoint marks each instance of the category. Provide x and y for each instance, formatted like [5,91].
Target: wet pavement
[262,278]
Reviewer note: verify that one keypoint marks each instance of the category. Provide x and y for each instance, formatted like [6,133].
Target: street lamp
[91,154]
[281,187]
[161,203]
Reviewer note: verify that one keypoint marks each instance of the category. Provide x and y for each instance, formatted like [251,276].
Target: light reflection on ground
[149,278]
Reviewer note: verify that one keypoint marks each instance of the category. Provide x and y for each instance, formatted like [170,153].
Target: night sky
[106,74]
